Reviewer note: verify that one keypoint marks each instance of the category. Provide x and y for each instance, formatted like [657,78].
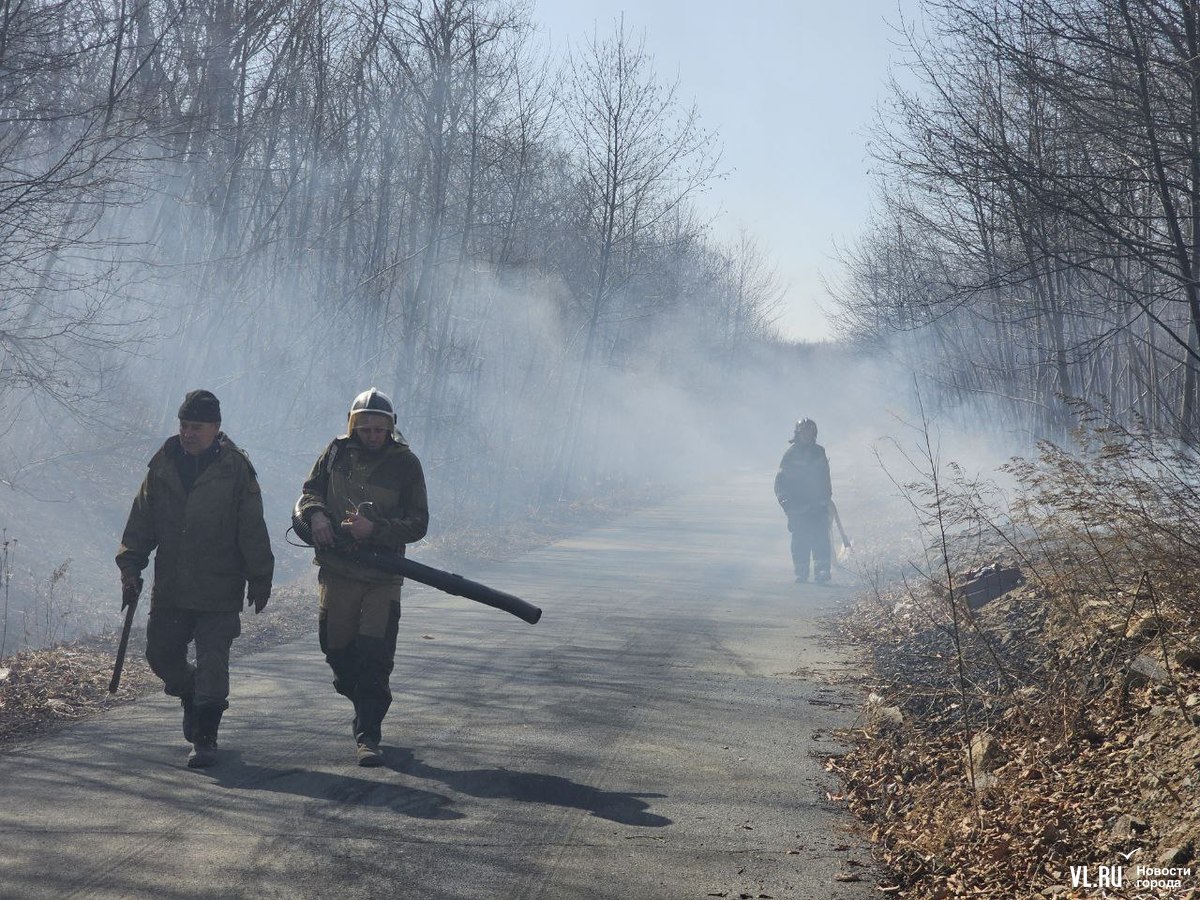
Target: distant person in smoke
[201,507]
[368,486]
[803,489]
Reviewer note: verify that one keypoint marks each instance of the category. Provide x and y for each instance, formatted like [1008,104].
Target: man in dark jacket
[201,507]
[803,489]
[368,485]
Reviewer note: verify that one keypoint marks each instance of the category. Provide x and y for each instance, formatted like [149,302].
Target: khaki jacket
[209,542]
[347,475]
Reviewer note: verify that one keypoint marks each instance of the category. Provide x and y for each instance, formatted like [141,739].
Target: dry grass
[1056,726]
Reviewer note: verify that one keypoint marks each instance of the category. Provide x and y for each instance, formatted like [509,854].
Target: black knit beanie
[200,406]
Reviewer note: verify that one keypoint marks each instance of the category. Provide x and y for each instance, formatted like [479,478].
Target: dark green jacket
[210,542]
[802,485]
[347,475]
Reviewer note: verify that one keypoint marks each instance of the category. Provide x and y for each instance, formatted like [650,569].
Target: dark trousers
[810,537]
[168,634]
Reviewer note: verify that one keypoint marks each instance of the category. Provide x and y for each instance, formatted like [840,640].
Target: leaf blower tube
[435,578]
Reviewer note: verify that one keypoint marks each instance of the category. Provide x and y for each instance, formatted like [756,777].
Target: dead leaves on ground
[47,687]
[1065,778]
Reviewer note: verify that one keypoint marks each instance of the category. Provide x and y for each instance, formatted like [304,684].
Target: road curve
[657,735]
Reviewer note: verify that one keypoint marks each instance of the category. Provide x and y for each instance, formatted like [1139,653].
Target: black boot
[368,722]
[189,715]
[207,721]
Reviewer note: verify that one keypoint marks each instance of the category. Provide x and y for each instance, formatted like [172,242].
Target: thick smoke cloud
[287,210]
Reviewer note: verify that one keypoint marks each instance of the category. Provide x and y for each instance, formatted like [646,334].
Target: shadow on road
[531,787]
[236,774]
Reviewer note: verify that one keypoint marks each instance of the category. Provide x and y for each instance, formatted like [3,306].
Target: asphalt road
[657,735]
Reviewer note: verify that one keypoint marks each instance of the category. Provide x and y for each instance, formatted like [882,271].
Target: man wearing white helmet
[367,486]
[803,489]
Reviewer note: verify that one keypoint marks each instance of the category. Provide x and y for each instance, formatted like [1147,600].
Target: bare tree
[1041,226]
[640,154]
[67,143]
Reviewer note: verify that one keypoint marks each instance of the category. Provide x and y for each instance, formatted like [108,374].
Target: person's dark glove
[257,595]
[131,588]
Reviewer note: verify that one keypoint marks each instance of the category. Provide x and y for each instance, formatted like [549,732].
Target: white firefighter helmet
[371,401]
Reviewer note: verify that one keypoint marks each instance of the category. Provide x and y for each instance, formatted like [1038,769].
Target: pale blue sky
[792,89]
